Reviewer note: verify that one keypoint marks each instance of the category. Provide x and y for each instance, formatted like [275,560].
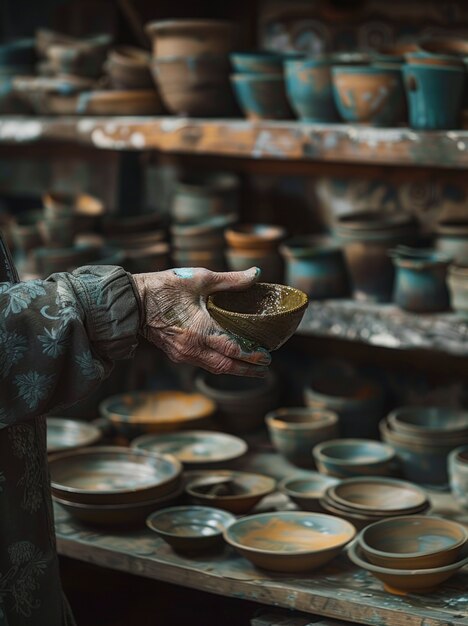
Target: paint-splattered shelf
[386,326]
[338,143]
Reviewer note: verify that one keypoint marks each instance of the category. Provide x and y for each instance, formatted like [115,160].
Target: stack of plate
[112,485]
[363,501]
[423,437]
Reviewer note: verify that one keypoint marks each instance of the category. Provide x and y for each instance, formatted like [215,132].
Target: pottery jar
[310,91]
[198,198]
[316,266]
[367,237]
[191,37]
[458,287]
[242,403]
[458,475]
[369,94]
[427,87]
[269,262]
[452,238]
[262,96]
[420,282]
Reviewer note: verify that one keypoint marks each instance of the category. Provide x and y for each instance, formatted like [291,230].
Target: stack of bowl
[411,554]
[259,86]
[111,485]
[256,245]
[423,437]
[345,458]
[190,66]
[363,501]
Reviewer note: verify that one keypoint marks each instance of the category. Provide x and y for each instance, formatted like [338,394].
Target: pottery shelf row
[385,326]
[297,141]
[340,590]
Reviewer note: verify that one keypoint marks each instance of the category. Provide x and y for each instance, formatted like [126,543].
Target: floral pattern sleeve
[59,338]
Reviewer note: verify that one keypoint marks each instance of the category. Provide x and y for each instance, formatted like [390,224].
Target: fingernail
[253,272]
[265,357]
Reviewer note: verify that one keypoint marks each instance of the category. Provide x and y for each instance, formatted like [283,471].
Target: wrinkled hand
[177,320]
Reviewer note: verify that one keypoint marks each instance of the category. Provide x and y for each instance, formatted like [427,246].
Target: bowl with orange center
[289,541]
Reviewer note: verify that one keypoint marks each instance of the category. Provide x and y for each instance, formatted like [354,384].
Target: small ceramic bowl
[413,542]
[345,458]
[264,315]
[407,580]
[191,528]
[69,434]
[254,236]
[260,62]
[429,424]
[237,492]
[295,431]
[289,541]
[307,491]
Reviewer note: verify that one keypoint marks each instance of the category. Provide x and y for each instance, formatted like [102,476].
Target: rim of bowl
[417,429]
[273,233]
[253,77]
[409,442]
[229,519]
[260,492]
[269,316]
[299,514]
[273,418]
[65,424]
[423,518]
[173,25]
[364,69]
[318,451]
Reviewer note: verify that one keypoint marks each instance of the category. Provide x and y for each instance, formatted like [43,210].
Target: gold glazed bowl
[265,315]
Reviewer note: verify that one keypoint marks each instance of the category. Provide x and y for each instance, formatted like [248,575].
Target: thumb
[231,281]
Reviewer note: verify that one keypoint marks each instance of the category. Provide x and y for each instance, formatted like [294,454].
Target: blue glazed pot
[310,90]
[420,281]
[262,96]
[369,95]
[316,266]
[435,94]
[260,62]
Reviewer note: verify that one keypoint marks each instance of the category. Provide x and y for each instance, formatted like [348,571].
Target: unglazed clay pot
[369,95]
[190,37]
[310,90]
[129,68]
[262,96]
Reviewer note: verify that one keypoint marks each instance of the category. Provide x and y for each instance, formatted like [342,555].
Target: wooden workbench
[340,590]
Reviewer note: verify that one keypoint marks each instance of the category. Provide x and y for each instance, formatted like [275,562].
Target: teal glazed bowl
[310,90]
[260,62]
[265,315]
[346,458]
[262,96]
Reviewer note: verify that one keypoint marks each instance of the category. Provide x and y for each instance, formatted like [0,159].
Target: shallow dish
[237,492]
[69,434]
[265,315]
[307,491]
[191,528]
[407,580]
[195,447]
[345,458]
[289,541]
[413,542]
[117,514]
[113,475]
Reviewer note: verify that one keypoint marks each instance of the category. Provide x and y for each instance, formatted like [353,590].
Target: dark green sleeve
[59,338]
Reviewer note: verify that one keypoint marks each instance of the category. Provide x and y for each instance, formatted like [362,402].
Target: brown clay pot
[128,68]
[255,237]
[190,37]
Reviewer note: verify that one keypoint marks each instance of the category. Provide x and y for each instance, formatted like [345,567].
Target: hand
[177,321]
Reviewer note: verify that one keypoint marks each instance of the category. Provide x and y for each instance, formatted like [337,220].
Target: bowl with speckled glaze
[265,315]
[289,541]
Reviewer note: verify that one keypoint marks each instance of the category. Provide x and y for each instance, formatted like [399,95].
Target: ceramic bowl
[295,431]
[113,475]
[128,514]
[119,102]
[307,491]
[154,412]
[429,424]
[407,580]
[458,475]
[194,448]
[198,198]
[358,520]
[413,542]
[345,458]
[259,62]
[262,96]
[254,236]
[191,528]
[237,492]
[289,541]
[190,37]
[128,68]
[69,434]
[383,496]
[264,315]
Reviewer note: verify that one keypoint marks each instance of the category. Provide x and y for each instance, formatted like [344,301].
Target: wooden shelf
[339,590]
[386,326]
[339,143]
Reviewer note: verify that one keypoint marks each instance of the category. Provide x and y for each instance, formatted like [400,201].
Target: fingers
[226,345]
[228,281]
[217,363]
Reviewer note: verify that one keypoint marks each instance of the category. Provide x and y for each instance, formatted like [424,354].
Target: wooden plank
[338,143]
[386,326]
[338,591]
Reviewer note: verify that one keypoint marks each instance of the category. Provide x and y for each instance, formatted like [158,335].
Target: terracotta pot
[199,198]
[195,86]
[255,237]
[242,403]
[310,90]
[366,238]
[136,102]
[190,37]
[452,239]
[129,68]
[262,96]
[269,262]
